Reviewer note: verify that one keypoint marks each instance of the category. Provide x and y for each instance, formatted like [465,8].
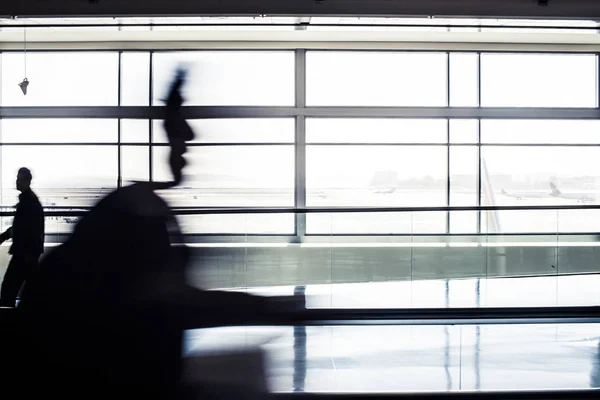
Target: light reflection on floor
[417,358]
[547,291]
[426,358]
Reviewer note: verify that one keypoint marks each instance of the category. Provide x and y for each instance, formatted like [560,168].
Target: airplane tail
[555,190]
[503,192]
[488,199]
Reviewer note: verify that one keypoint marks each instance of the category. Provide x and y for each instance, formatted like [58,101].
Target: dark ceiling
[581,9]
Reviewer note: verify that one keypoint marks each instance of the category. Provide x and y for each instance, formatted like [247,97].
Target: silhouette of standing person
[109,307]
[27,234]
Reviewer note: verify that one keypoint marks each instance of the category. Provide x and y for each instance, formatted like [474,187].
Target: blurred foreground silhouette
[105,315]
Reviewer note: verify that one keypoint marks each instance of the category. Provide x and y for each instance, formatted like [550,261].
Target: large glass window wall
[315,128]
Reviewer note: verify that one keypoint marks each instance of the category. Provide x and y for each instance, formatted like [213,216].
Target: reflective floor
[417,358]
[548,291]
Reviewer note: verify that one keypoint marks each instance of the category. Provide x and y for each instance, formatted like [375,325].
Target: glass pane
[251,130]
[135,79]
[542,175]
[229,77]
[464,163]
[253,224]
[384,130]
[61,79]
[579,221]
[376,175]
[382,223]
[538,80]
[59,228]
[231,176]
[464,80]
[540,131]
[336,78]
[135,164]
[464,131]
[537,176]
[58,130]
[62,175]
[135,131]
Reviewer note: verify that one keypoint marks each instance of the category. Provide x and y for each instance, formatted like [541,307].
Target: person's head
[23,179]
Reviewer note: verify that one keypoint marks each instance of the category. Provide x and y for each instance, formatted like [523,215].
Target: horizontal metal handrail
[80,211]
[405,316]
[579,394]
[438,316]
[209,112]
[295,25]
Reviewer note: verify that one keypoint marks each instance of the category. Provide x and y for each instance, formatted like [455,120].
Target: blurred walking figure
[108,308]
[27,234]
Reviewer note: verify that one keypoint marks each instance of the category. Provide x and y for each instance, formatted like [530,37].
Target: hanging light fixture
[23,85]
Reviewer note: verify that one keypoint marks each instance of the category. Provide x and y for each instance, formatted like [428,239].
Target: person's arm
[205,308]
[198,308]
[163,285]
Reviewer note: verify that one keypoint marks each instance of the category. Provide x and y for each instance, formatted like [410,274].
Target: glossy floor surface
[416,358]
[426,358]
[544,291]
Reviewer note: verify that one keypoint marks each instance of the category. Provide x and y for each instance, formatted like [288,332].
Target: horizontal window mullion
[374,144]
[58,144]
[541,144]
[147,112]
[200,112]
[141,144]
[451,112]
[216,144]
